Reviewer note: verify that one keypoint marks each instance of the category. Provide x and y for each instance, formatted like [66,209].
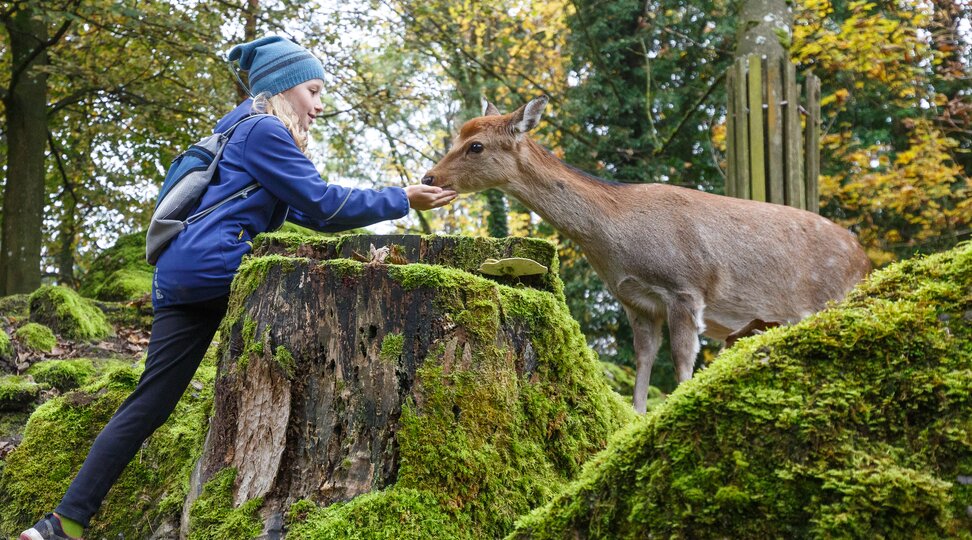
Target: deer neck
[577,205]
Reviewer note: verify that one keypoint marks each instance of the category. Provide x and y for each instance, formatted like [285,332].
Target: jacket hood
[240,112]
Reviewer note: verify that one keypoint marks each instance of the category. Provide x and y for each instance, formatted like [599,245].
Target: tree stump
[319,357]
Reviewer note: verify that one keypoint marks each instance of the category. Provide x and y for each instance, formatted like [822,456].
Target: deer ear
[528,116]
[489,109]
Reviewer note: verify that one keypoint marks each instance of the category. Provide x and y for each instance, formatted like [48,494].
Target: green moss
[16,306]
[36,337]
[213,516]
[252,272]
[119,272]
[128,314]
[62,374]
[346,268]
[392,346]
[125,284]
[6,346]
[12,426]
[399,513]
[471,300]
[285,360]
[69,315]
[853,423]
[17,392]
[60,432]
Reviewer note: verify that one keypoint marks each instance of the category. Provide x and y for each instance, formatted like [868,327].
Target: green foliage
[119,272]
[895,158]
[63,375]
[852,423]
[36,337]
[60,432]
[213,516]
[68,314]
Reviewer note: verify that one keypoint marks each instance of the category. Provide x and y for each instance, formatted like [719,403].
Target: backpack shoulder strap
[229,131]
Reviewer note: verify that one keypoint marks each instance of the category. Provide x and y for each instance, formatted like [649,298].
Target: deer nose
[428,179]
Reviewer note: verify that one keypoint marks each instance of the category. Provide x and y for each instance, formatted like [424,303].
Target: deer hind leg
[684,326]
[647,329]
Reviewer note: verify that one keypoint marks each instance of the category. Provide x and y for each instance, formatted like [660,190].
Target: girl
[193,274]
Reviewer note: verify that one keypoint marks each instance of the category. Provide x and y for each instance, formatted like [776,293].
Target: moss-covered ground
[59,433]
[854,423]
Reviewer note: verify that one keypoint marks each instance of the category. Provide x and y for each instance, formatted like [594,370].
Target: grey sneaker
[48,528]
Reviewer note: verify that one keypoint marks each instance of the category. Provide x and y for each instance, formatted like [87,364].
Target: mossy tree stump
[333,374]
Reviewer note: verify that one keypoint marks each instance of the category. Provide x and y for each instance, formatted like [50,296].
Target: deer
[705,264]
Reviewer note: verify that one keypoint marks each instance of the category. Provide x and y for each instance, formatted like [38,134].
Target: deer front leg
[647,329]
[684,326]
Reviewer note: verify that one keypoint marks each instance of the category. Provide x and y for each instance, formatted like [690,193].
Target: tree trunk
[26,128]
[763,24]
[68,241]
[250,12]
[321,358]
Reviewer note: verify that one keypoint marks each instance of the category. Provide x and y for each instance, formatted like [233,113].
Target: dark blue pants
[180,337]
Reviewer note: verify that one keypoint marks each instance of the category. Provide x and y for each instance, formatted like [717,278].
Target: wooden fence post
[772,157]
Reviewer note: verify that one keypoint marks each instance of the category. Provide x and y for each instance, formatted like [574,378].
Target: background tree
[895,167]
[106,88]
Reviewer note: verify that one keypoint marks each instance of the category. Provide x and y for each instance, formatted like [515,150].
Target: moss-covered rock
[120,272]
[36,337]
[17,393]
[68,314]
[63,375]
[60,432]
[16,306]
[854,423]
[125,284]
[6,346]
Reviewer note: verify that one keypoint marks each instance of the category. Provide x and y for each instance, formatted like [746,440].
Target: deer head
[488,151]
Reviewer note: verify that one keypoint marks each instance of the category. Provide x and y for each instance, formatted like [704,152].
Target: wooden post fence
[773,156]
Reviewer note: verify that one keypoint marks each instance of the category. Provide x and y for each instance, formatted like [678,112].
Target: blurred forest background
[98,96]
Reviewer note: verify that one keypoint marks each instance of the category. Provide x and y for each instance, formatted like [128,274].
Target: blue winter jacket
[200,262]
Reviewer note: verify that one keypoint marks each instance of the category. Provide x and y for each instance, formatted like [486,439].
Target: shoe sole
[31,534]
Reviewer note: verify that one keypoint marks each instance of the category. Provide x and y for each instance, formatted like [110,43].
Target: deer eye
[476,148]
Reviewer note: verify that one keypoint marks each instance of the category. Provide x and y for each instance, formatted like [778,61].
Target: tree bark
[26,128]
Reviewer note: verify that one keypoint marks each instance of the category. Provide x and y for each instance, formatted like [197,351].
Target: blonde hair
[278,106]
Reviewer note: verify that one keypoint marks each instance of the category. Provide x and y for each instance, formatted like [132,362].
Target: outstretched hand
[422,197]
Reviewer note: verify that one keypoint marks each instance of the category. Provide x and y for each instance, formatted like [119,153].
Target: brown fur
[703,263]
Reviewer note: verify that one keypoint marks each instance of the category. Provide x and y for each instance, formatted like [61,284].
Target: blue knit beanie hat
[275,64]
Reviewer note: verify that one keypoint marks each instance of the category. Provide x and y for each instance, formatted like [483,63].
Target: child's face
[305,98]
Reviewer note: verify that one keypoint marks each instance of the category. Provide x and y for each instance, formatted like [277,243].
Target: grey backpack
[184,184]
